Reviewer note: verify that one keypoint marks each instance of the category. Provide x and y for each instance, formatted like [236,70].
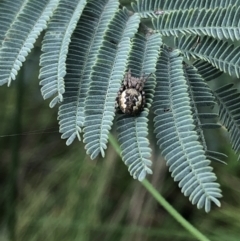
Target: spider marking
[131,97]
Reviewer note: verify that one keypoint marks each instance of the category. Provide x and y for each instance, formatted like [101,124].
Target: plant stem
[188,226]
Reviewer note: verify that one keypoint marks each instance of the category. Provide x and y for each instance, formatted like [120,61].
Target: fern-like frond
[133,131]
[199,92]
[221,54]
[22,34]
[8,11]
[177,138]
[207,70]
[200,96]
[229,106]
[154,8]
[221,23]
[84,47]
[106,80]
[216,156]
[55,48]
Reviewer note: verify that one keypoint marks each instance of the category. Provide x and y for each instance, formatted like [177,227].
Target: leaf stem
[188,226]
[169,208]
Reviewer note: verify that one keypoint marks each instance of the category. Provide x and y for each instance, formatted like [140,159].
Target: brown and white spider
[131,97]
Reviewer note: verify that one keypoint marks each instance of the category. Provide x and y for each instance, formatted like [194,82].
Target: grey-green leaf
[55,48]
[229,107]
[221,54]
[155,8]
[221,23]
[22,34]
[200,96]
[207,70]
[106,80]
[177,138]
[133,130]
[84,47]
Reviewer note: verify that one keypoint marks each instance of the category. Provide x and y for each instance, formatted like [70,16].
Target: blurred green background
[52,192]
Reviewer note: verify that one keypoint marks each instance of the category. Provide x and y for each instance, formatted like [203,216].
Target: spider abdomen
[131,101]
[131,96]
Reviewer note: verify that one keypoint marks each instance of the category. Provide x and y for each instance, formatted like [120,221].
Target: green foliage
[89,45]
[24,27]
[153,8]
[221,54]
[55,48]
[83,50]
[206,70]
[201,96]
[229,104]
[133,131]
[112,56]
[176,131]
[201,22]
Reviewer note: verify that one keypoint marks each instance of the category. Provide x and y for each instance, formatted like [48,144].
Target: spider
[131,97]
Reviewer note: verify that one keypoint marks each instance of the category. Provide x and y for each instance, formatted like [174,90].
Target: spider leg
[143,100]
[145,79]
[118,97]
[125,79]
[129,75]
[130,82]
[142,76]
